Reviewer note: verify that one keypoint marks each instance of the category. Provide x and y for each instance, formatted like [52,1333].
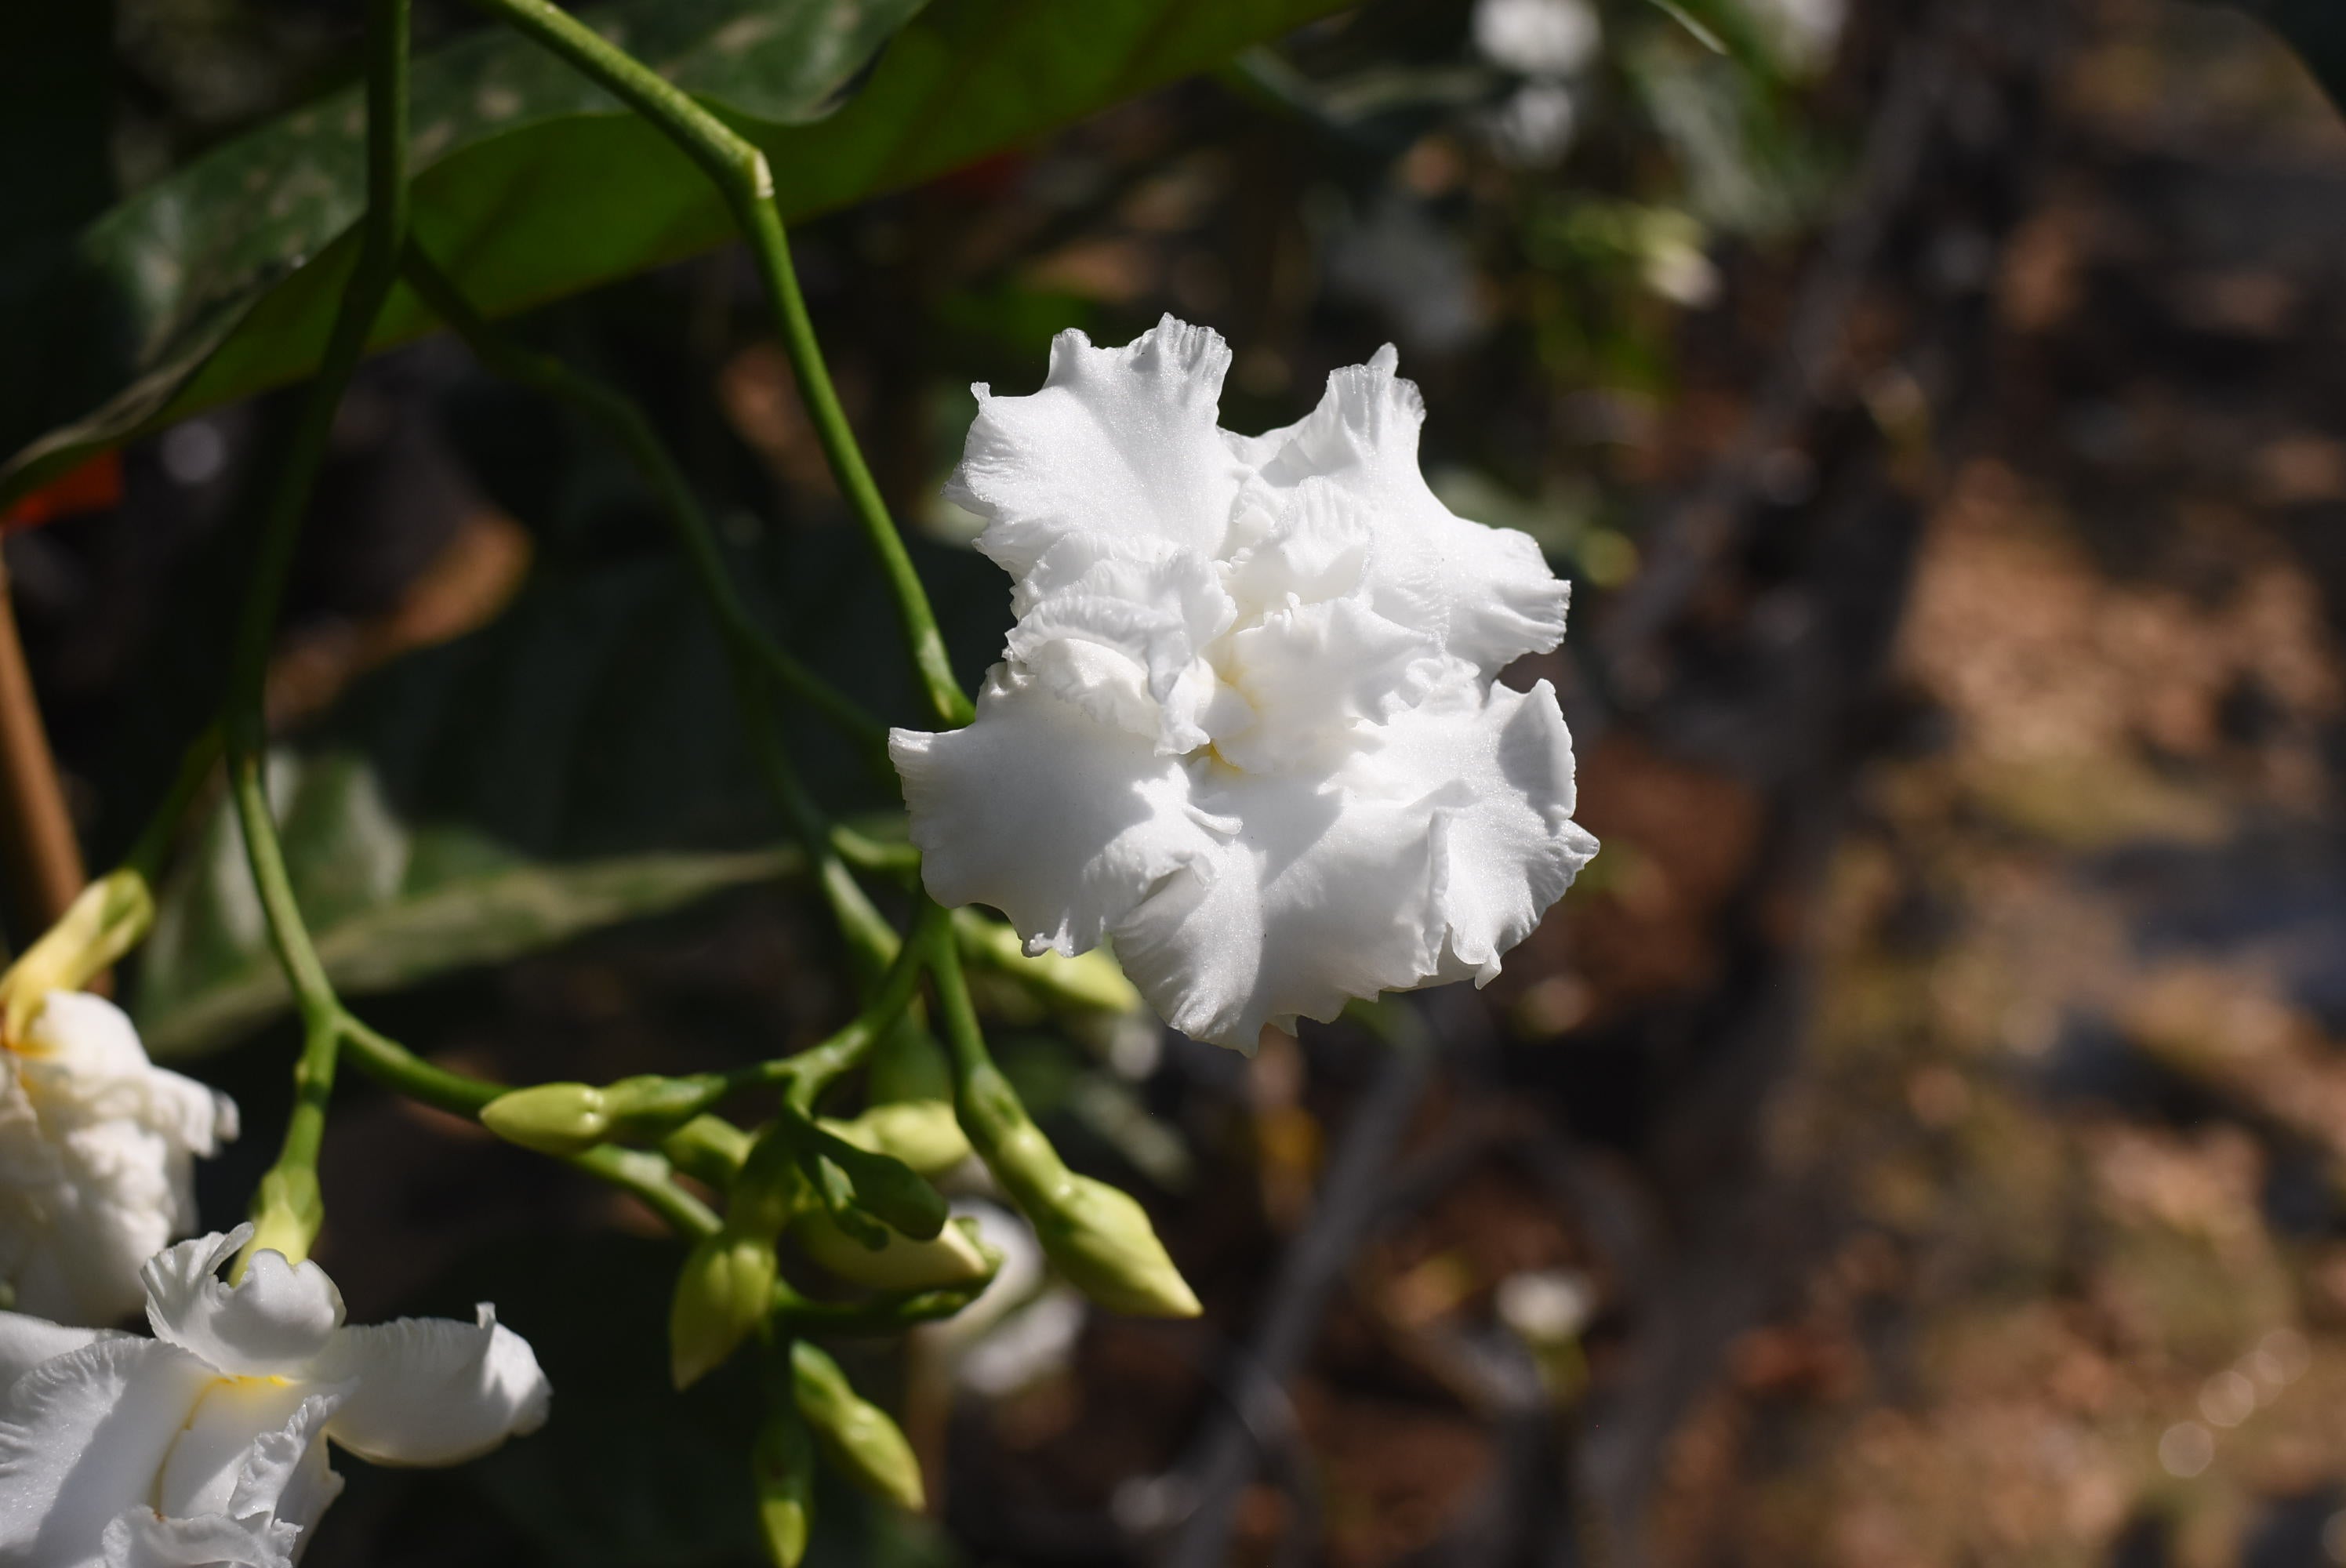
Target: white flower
[1248,725]
[1533,128]
[96,1151]
[1538,37]
[206,1444]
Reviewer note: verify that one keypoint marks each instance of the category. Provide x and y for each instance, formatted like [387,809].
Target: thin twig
[1351,1194]
[1687,542]
[44,856]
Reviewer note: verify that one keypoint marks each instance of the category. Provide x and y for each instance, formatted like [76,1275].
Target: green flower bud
[1097,1236]
[861,1441]
[782,1464]
[551,1118]
[571,1118]
[709,1147]
[105,920]
[723,1293]
[955,1257]
[923,1133]
[1100,1238]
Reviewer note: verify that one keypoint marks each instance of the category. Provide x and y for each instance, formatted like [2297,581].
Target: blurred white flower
[1532,127]
[96,1151]
[1417,271]
[205,1446]
[1803,31]
[1248,725]
[1538,37]
[1021,1328]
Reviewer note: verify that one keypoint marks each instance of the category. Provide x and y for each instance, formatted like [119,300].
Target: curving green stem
[288,1205]
[739,171]
[146,856]
[619,414]
[754,658]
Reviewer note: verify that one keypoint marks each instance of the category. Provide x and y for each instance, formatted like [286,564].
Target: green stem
[815,1069]
[649,1177]
[288,1205]
[395,1066]
[753,657]
[619,415]
[963,1039]
[195,764]
[739,171]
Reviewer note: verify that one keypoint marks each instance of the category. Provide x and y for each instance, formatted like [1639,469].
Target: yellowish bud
[723,1293]
[782,1465]
[923,1133]
[1097,1236]
[551,1118]
[868,1446]
[955,1257]
[1091,981]
[105,920]
[286,1214]
[1100,1238]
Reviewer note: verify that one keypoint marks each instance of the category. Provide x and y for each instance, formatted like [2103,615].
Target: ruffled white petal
[141,1538]
[1119,441]
[1496,769]
[432,1391]
[1061,823]
[271,1323]
[27,1341]
[83,1437]
[1486,593]
[1317,899]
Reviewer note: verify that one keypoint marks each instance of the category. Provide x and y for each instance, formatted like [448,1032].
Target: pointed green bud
[571,1118]
[955,1257]
[868,1446]
[782,1464]
[723,1293]
[551,1118]
[923,1133]
[105,920]
[1100,1238]
[1097,1236]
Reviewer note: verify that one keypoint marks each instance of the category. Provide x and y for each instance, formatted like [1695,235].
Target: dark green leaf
[389,903]
[218,280]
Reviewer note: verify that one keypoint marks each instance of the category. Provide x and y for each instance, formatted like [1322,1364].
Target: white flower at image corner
[1247,727]
[206,1444]
[97,1148]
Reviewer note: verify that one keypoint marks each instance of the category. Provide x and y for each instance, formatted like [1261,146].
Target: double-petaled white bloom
[97,1150]
[205,1447]
[1247,726]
